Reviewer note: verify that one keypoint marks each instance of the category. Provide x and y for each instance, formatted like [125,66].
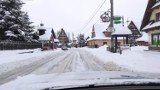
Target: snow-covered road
[73,60]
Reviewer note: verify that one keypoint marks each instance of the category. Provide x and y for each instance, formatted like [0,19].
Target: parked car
[64,48]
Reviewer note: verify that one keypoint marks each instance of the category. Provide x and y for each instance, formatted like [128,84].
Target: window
[104,43]
[119,43]
[156,39]
[158,17]
[159,39]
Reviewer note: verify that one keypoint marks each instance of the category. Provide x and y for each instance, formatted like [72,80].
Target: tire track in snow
[63,66]
[50,66]
[90,62]
[27,69]
[78,64]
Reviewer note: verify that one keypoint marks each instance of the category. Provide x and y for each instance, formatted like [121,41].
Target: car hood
[78,79]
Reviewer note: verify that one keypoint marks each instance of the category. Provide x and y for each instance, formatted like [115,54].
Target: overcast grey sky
[72,15]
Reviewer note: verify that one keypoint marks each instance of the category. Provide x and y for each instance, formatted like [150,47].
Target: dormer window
[158,16]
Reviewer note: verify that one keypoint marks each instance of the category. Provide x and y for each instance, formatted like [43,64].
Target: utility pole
[112,26]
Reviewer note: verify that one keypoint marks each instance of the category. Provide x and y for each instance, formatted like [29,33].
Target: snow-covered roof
[120,30]
[41,27]
[144,37]
[152,25]
[157,4]
[100,28]
[46,36]
[56,40]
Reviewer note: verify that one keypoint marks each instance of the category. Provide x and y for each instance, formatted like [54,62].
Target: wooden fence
[11,45]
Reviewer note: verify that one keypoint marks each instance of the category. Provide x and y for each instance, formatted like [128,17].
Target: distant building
[143,40]
[100,35]
[47,37]
[135,29]
[74,41]
[63,38]
[151,24]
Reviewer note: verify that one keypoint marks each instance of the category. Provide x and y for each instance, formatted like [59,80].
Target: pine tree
[13,19]
[81,40]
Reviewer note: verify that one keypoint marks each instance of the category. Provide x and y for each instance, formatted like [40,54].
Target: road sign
[105,17]
[117,19]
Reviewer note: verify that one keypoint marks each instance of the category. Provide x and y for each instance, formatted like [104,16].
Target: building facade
[63,38]
[151,24]
[135,33]
[46,37]
[101,36]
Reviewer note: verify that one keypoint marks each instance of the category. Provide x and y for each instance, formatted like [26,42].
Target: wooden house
[46,37]
[135,29]
[151,24]
[63,38]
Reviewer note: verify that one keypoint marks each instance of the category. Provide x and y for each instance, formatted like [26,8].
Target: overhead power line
[93,15]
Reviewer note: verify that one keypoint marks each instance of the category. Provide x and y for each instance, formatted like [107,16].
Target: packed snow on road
[35,69]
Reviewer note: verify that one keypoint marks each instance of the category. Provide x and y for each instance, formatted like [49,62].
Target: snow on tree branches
[13,19]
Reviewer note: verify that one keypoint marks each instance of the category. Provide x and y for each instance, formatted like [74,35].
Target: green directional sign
[117,22]
[117,19]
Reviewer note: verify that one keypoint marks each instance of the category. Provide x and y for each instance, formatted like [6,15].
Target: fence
[11,45]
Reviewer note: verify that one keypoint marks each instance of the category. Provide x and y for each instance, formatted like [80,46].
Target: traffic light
[118,19]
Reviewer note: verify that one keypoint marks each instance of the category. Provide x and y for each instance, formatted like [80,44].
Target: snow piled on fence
[137,59]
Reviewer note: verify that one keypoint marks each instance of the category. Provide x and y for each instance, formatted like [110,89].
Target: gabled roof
[136,28]
[100,28]
[147,14]
[136,24]
[41,28]
[53,33]
[64,33]
[121,30]
[144,37]
[152,25]
[156,5]
[46,36]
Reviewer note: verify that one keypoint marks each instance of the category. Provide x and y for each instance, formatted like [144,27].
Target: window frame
[158,38]
[104,43]
[157,16]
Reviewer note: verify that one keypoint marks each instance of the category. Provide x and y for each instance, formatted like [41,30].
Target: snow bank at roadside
[11,59]
[137,59]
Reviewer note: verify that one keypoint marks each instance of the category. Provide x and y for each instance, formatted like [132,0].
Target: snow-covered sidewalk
[137,59]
